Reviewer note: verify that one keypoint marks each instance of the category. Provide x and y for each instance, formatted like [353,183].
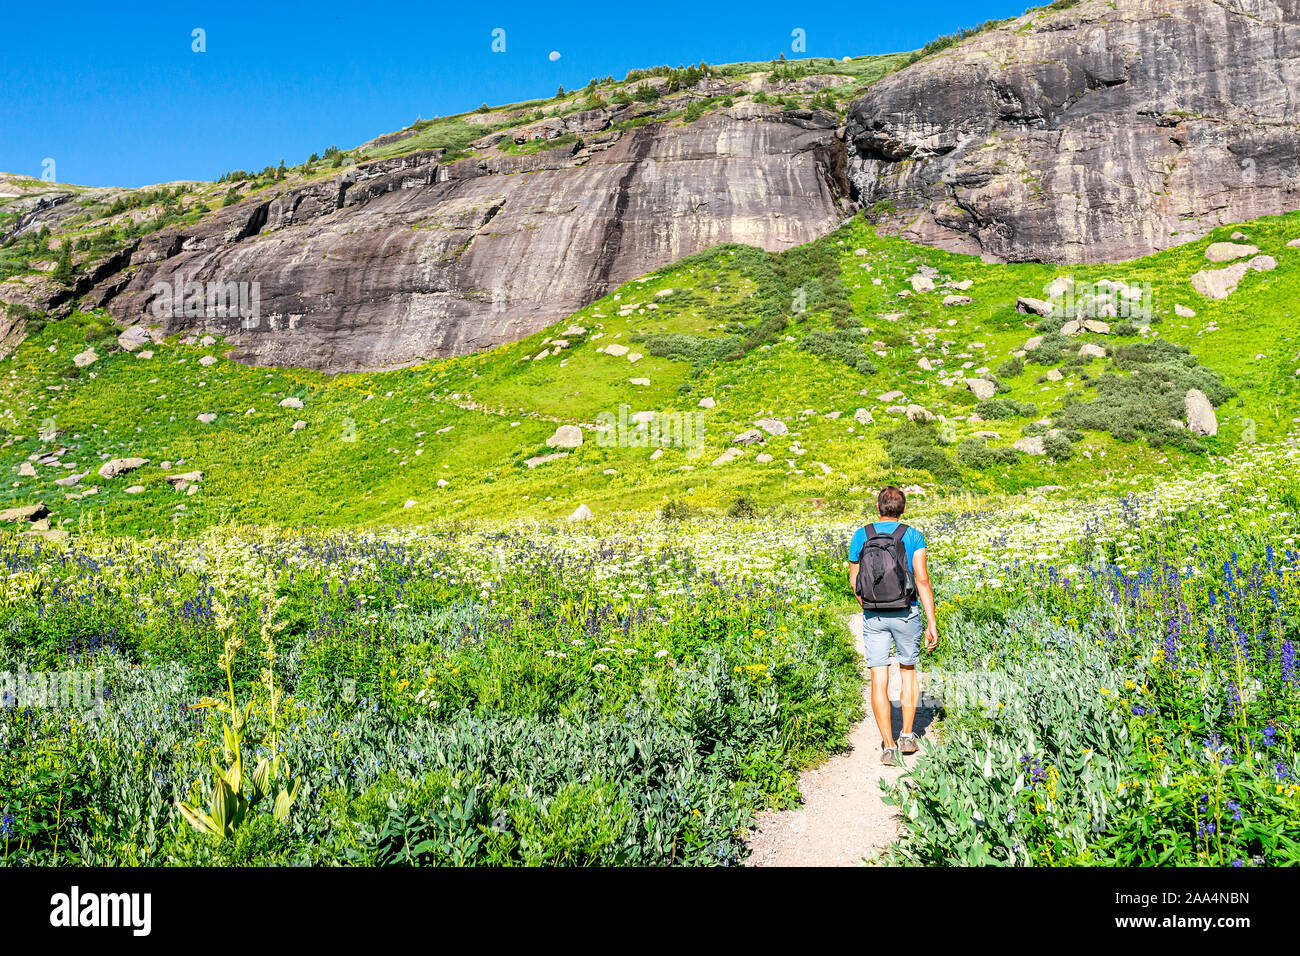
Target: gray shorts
[903,629]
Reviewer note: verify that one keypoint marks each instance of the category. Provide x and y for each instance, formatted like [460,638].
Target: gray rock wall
[1100,133]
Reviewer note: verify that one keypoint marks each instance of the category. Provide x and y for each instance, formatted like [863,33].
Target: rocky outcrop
[1102,132]
[412,258]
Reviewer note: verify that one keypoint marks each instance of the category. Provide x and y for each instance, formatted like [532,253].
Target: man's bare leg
[880,704]
[911,692]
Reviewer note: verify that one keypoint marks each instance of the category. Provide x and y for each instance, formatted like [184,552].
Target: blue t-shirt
[913,541]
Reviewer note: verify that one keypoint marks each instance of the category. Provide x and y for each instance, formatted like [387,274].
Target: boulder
[1030,446]
[1096,326]
[1088,350]
[1054,375]
[1031,306]
[581,513]
[1200,413]
[1033,342]
[543,459]
[863,417]
[135,489]
[1072,328]
[763,459]
[566,436]
[1221,283]
[773,426]
[184,479]
[1228,251]
[952,300]
[206,418]
[120,466]
[82,359]
[208,360]
[987,435]
[748,437]
[26,470]
[707,403]
[616,350]
[1183,312]
[25,513]
[728,456]
[639,381]
[921,283]
[982,388]
[890,396]
[919,413]
[291,402]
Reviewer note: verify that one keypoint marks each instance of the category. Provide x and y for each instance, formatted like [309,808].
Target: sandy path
[842,818]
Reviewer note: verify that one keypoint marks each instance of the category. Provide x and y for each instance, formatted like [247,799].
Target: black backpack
[884,581]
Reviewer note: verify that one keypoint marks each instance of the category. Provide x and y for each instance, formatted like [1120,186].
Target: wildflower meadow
[1117,677]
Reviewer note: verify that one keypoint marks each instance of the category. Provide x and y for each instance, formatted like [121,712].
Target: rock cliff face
[1099,133]
[410,258]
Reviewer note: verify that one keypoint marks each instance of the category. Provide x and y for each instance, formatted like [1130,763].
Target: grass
[373,442]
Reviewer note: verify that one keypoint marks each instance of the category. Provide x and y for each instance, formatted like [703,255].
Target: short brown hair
[891,502]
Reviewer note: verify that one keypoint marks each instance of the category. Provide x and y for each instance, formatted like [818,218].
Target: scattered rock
[1200,413]
[1054,375]
[1088,350]
[443,483]
[763,459]
[890,396]
[987,436]
[1096,326]
[1031,446]
[1072,328]
[1033,343]
[707,403]
[919,413]
[409,503]
[1221,283]
[207,418]
[1030,306]
[581,513]
[616,350]
[1228,251]
[748,437]
[639,381]
[297,425]
[120,466]
[135,489]
[25,513]
[82,359]
[863,417]
[728,456]
[773,426]
[291,402]
[921,283]
[183,480]
[982,388]
[26,470]
[543,459]
[952,300]
[1183,312]
[566,436]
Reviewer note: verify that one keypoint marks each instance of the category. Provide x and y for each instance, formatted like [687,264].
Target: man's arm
[924,590]
[853,577]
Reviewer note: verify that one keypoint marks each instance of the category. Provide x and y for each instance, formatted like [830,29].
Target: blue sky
[115,95]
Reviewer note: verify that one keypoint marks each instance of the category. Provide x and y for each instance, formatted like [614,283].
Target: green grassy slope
[729,329]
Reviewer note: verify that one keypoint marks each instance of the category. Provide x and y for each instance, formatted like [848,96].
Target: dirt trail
[842,818]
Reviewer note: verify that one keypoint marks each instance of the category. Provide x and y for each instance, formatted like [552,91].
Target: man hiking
[889,577]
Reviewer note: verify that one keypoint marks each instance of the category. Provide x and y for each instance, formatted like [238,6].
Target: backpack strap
[901,530]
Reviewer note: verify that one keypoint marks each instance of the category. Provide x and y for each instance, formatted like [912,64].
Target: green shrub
[1011,367]
[1058,446]
[743,507]
[995,409]
[846,346]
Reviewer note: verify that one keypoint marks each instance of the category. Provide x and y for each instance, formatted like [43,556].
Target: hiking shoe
[889,757]
[907,743]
